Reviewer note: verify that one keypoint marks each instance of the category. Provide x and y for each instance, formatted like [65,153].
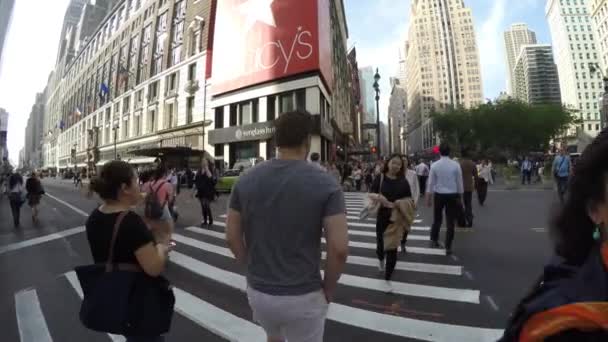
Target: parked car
[227,180]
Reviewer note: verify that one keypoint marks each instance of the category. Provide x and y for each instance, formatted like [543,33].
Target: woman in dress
[204,182]
[390,186]
[34,189]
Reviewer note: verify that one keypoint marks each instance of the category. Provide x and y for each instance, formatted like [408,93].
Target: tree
[503,128]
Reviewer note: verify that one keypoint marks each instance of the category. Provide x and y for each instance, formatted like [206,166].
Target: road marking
[455,258]
[353,260]
[492,302]
[365,319]
[82,213]
[373,225]
[468,275]
[216,320]
[41,239]
[30,319]
[539,230]
[73,280]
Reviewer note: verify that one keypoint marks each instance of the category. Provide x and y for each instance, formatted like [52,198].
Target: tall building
[6,12]
[397,117]
[368,104]
[134,77]
[442,66]
[355,88]
[535,75]
[516,36]
[254,80]
[574,44]
[598,10]
[3,132]
[32,150]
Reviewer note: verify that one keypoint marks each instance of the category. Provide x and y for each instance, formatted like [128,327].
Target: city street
[464,297]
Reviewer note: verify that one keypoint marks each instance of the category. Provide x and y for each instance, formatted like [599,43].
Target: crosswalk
[429,299]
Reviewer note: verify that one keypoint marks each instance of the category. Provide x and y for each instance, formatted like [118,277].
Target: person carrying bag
[124,292]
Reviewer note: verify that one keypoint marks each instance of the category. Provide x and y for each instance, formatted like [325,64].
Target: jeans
[468,208]
[449,202]
[562,187]
[206,209]
[525,176]
[145,338]
[16,210]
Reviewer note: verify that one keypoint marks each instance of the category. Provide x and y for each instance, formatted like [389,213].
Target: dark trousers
[391,262]
[16,210]
[562,187]
[358,184]
[525,176]
[391,256]
[450,203]
[206,209]
[422,182]
[482,190]
[467,198]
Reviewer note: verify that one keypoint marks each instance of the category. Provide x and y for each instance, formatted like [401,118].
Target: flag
[103,91]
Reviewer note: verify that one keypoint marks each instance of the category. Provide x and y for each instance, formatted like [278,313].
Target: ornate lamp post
[377,89]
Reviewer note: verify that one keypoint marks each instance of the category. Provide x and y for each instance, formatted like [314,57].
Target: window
[126,104]
[192,72]
[137,124]
[245,111]
[153,91]
[219,117]
[139,98]
[144,54]
[286,103]
[588,127]
[189,109]
[171,83]
[152,121]
[125,128]
[301,99]
[177,38]
[233,115]
[161,35]
[597,127]
[170,117]
[270,108]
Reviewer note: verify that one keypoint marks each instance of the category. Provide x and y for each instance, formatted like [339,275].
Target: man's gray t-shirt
[282,205]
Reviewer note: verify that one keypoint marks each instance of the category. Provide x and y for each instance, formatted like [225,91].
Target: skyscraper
[599,19]
[6,11]
[535,78]
[515,37]
[442,65]
[574,44]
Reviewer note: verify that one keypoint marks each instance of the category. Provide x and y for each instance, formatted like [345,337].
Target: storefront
[238,143]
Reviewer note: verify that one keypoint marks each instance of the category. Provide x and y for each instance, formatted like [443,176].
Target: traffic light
[374,150]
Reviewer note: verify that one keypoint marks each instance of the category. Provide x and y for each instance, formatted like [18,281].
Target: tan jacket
[402,217]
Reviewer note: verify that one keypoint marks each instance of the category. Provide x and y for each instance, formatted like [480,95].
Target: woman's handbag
[122,299]
[371,208]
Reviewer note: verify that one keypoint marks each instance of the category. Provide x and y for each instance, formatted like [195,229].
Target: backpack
[153,209]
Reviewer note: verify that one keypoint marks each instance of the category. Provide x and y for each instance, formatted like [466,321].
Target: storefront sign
[256,131]
[258,41]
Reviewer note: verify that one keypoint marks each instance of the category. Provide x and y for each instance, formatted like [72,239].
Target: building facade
[6,12]
[254,81]
[575,49]
[32,150]
[3,132]
[355,97]
[598,10]
[517,35]
[442,66]
[135,79]
[368,105]
[397,117]
[535,75]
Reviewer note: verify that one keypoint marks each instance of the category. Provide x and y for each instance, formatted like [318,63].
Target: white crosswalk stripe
[199,252]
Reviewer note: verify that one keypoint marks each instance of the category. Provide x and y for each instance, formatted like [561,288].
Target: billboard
[257,41]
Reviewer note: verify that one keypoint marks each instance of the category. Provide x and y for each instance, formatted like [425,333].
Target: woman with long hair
[162,227]
[117,187]
[389,187]
[570,300]
[34,189]
[204,182]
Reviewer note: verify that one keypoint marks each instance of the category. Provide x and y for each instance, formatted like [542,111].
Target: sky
[376,27]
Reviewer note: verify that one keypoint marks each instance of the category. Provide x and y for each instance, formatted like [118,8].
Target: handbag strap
[110,263]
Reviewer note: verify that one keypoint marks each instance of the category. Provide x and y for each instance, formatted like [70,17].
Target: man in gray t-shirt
[278,213]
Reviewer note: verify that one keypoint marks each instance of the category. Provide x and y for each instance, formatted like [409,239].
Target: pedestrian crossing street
[429,299]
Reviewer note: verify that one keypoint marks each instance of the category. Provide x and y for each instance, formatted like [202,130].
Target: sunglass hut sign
[261,40]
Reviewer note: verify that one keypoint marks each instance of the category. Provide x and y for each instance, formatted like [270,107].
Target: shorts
[295,318]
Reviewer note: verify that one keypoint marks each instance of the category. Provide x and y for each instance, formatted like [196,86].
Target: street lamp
[377,89]
[115,130]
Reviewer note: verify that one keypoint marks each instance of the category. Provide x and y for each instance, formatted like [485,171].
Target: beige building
[442,66]
[129,74]
[397,116]
[516,36]
[599,18]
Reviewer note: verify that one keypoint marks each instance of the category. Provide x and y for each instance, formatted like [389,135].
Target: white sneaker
[388,286]
[381,265]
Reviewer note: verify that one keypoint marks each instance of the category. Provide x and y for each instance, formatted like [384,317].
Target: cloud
[490,44]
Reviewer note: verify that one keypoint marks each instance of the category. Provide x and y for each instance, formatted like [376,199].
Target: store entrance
[244,153]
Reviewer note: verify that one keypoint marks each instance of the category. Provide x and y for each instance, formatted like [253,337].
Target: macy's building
[274,56]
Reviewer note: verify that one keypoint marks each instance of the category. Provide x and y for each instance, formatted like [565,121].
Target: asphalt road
[466,297]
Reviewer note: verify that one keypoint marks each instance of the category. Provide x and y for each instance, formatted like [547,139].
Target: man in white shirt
[422,171]
[446,188]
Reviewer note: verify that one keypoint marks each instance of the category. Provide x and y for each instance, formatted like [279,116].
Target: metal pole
[378,123]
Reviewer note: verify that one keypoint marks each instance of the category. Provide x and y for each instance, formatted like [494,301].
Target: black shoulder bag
[122,299]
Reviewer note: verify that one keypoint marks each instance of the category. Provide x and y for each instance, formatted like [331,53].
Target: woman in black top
[389,187]
[204,182]
[117,186]
[34,189]
[15,190]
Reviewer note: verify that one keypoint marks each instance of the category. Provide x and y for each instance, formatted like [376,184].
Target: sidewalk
[500,183]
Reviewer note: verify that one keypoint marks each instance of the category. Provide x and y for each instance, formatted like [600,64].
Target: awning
[81,165]
[102,162]
[144,160]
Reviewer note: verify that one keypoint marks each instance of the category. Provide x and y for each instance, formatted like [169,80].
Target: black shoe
[204,224]
[434,244]
[448,251]
[403,250]
[211,222]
